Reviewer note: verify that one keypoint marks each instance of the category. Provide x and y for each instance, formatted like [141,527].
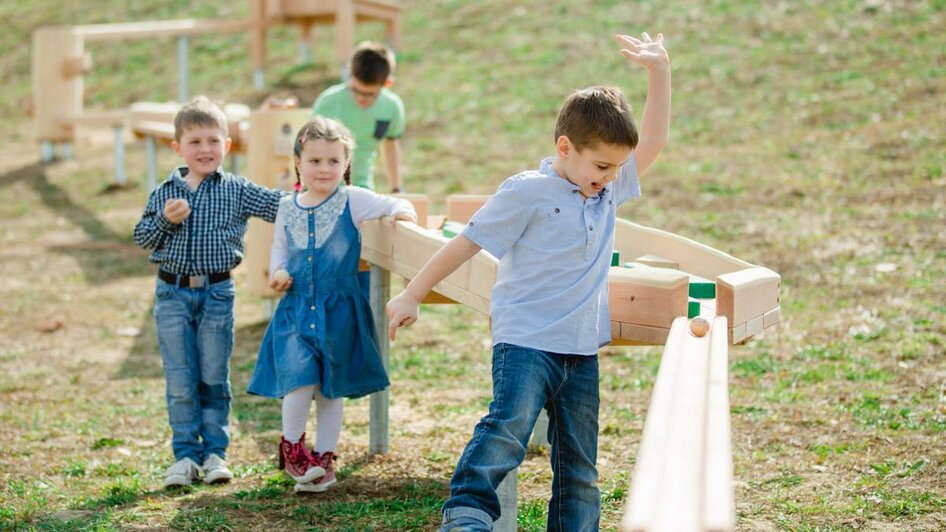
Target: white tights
[328,417]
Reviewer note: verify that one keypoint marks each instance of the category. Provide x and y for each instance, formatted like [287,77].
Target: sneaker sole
[176,482]
[220,478]
[313,488]
[310,475]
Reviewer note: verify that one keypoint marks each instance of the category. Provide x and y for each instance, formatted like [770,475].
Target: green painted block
[615,258]
[452,229]
[701,288]
[693,308]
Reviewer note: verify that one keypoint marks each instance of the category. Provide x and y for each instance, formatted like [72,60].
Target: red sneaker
[298,462]
[327,462]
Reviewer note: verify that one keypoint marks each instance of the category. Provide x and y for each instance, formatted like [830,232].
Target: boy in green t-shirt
[373,113]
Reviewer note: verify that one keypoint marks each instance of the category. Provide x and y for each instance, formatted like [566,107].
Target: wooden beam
[747,294]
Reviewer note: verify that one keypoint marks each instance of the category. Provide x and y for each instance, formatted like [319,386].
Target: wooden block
[435,221]
[737,334]
[655,261]
[701,288]
[461,207]
[77,65]
[754,326]
[647,296]
[452,229]
[771,318]
[743,295]
[421,206]
[693,308]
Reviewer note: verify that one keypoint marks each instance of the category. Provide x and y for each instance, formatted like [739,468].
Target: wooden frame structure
[60,61]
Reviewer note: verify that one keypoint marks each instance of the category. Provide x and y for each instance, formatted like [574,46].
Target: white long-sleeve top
[363,203]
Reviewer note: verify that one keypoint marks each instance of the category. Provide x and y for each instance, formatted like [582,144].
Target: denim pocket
[225,292]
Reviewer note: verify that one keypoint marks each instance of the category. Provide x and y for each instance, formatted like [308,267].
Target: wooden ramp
[683,478]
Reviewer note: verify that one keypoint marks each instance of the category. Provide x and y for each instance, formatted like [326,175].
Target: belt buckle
[196,281]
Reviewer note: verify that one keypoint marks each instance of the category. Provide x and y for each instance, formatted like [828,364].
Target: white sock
[295,412]
[328,422]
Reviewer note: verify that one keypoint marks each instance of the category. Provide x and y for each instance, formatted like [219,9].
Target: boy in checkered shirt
[194,224]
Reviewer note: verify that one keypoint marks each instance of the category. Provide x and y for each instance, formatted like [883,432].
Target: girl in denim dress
[320,343]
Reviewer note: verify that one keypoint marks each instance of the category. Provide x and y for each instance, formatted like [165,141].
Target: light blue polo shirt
[554,250]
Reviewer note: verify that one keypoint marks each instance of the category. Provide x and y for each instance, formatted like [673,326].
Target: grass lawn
[806,137]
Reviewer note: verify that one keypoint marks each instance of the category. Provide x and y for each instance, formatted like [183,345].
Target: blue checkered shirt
[210,240]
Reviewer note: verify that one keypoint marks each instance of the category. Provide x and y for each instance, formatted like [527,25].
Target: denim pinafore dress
[322,331]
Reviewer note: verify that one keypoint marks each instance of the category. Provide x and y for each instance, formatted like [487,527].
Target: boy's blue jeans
[195,335]
[525,381]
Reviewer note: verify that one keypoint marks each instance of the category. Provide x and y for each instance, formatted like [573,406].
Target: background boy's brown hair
[372,63]
[199,112]
[596,115]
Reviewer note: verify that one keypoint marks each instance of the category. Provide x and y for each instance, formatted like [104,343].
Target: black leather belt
[192,281]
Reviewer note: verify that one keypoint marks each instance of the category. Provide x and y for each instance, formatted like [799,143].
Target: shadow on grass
[108,254]
[144,357]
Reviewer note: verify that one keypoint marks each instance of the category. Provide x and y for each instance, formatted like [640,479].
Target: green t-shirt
[383,120]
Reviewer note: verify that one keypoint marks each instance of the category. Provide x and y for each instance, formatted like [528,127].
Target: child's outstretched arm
[655,125]
[403,309]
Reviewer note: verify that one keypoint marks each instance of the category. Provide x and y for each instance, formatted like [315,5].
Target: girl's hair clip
[297,187]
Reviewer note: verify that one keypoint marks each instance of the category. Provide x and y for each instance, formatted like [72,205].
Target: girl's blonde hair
[330,131]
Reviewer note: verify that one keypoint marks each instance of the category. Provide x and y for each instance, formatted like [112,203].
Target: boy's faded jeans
[524,381]
[195,335]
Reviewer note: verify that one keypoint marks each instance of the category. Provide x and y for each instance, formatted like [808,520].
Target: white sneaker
[216,470]
[182,473]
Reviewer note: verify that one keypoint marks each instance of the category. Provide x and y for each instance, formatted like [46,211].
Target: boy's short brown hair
[596,115]
[199,112]
[372,63]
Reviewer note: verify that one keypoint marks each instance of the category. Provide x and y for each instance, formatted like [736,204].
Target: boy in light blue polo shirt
[552,230]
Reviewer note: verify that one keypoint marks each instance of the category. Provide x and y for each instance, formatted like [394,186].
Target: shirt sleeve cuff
[491,242]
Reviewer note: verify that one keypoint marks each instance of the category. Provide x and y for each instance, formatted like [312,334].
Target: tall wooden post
[269,163]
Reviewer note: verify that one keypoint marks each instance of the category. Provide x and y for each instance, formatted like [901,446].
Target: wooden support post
[269,163]
[57,84]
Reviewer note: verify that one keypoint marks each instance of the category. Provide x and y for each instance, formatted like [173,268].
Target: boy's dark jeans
[525,381]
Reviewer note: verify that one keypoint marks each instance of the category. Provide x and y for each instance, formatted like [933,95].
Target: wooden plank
[746,294]
[158,28]
[483,268]
[647,296]
[719,500]
[754,326]
[634,240]
[646,492]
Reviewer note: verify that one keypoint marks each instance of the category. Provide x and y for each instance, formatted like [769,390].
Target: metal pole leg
[378,419]
[507,491]
[151,163]
[120,176]
[182,82]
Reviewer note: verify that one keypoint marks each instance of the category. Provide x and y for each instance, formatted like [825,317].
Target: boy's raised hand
[176,210]
[402,311]
[645,51]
